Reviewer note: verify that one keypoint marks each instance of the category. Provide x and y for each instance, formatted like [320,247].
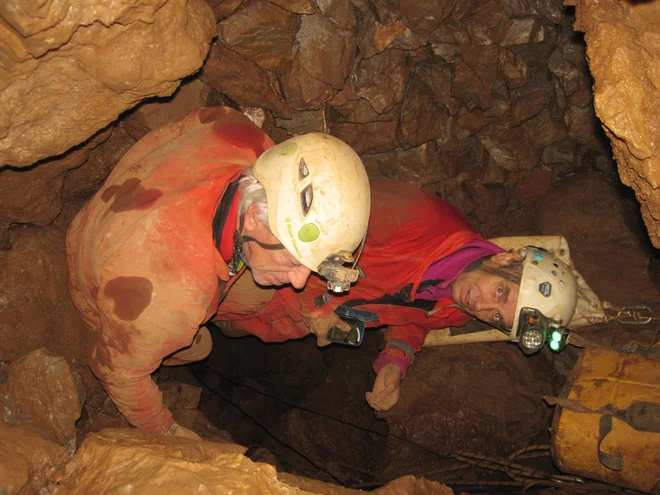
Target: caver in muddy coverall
[148,255]
[409,231]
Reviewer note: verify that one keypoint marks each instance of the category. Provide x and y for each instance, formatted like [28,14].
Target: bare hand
[387,388]
[320,327]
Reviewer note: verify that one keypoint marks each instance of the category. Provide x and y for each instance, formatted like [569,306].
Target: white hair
[252,192]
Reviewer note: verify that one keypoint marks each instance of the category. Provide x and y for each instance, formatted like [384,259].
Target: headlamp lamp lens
[532,340]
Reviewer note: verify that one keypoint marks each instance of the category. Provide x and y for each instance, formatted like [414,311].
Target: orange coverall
[408,231]
[144,268]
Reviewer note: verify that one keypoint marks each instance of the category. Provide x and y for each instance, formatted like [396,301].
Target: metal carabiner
[635,314]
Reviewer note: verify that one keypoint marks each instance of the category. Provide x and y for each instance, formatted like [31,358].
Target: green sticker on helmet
[288,149]
[308,232]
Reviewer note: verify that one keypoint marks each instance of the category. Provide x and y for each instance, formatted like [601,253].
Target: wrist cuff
[404,346]
[386,358]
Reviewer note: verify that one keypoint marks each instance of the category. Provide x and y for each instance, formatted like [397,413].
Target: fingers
[341,325]
[321,341]
[382,402]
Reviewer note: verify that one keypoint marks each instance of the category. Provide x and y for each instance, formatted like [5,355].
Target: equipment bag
[607,425]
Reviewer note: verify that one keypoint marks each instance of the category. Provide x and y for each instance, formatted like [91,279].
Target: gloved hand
[387,388]
[320,327]
[176,430]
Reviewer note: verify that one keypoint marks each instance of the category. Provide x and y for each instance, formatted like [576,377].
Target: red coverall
[408,231]
[144,270]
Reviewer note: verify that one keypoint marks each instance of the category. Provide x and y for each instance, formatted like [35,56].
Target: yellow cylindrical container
[608,428]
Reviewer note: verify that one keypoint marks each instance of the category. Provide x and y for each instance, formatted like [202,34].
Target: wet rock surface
[72,68]
[27,459]
[40,391]
[131,460]
[623,50]
[35,310]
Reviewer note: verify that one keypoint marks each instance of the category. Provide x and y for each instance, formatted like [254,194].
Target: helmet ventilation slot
[306,198]
[302,169]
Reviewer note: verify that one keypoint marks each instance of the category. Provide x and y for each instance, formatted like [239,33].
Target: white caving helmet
[318,202]
[549,287]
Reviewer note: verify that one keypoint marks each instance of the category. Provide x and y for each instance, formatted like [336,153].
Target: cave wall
[70,68]
[485,103]
[623,47]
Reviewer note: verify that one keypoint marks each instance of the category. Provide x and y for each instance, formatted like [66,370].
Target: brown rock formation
[40,391]
[27,459]
[119,458]
[69,69]
[624,49]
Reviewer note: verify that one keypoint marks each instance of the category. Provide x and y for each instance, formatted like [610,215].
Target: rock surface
[126,460]
[35,310]
[27,459]
[71,68]
[624,48]
[40,391]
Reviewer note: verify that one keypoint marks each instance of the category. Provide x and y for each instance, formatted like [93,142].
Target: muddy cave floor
[302,408]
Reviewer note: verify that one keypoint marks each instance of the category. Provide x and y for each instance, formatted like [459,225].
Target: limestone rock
[386,11]
[373,37]
[529,100]
[439,80]
[319,42]
[420,165]
[156,112]
[361,112]
[544,130]
[474,78]
[552,10]
[372,137]
[623,49]
[511,149]
[421,120]
[302,122]
[72,67]
[295,6]
[422,17]
[514,68]
[262,33]
[33,195]
[302,90]
[35,310]
[340,12]
[560,152]
[116,459]
[84,181]
[41,391]
[489,24]
[382,80]
[27,459]
[226,71]
[223,8]
[533,185]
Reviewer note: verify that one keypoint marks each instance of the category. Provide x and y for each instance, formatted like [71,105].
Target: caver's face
[270,267]
[487,296]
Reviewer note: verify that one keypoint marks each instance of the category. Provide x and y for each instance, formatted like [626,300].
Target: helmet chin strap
[238,258]
[242,239]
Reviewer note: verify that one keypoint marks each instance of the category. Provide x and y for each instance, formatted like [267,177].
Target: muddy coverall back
[144,268]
